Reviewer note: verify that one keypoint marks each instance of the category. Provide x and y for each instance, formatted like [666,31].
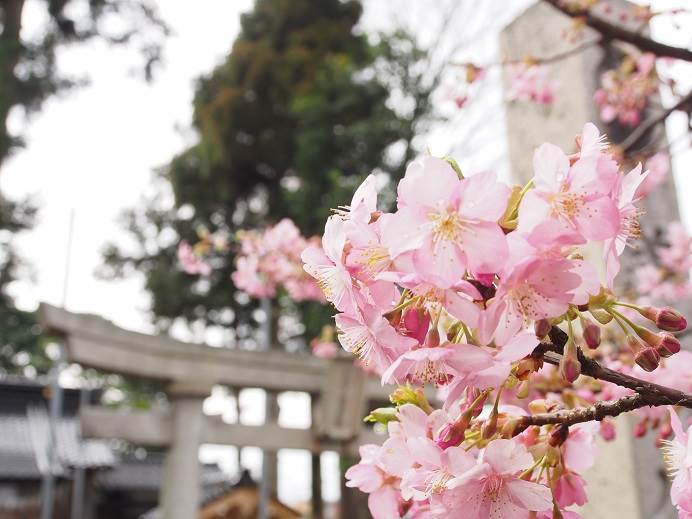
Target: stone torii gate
[340,393]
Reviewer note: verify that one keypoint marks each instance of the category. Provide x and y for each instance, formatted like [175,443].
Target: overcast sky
[92,151]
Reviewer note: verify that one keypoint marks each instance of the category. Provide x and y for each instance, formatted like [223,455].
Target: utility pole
[56,396]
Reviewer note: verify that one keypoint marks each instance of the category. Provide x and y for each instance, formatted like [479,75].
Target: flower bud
[647,359]
[558,435]
[451,434]
[409,395]
[669,345]
[670,320]
[382,415]
[416,322]
[607,430]
[542,328]
[570,367]
[591,332]
[641,428]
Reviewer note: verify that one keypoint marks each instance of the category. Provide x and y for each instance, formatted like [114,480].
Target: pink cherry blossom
[531,83]
[434,468]
[371,337]
[440,365]
[448,224]
[493,489]
[678,458]
[370,476]
[575,195]
[625,90]
[326,266]
[534,289]
[628,224]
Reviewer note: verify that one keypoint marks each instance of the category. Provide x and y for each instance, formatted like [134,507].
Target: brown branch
[539,60]
[685,103]
[597,412]
[613,31]
[646,393]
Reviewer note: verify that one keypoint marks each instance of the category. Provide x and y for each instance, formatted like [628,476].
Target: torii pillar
[180,489]
[627,480]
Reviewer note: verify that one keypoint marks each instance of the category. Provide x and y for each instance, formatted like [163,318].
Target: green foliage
[28,71]
[21,344]
[28,76]
[289,124]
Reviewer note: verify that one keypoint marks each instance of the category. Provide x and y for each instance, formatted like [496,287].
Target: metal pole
[55,410]
[56,397]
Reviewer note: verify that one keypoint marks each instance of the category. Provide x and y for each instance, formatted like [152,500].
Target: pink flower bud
[570,367]
[607,430]
[416,322]
[591,332]
[670,320]
[451,434]
[647,359]
[641,428]
[669,345]
[542,328]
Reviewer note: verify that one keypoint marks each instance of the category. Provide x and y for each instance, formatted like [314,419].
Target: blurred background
[128,126]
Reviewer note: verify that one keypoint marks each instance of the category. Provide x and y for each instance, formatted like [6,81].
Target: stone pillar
[180,488]
[626,480]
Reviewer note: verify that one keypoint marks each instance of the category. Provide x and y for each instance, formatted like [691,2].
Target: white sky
[92,151]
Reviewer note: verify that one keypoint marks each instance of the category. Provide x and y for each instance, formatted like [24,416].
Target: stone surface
[626,481]
[181,484]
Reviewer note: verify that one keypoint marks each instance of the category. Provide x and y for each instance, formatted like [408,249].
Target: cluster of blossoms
[531,82]
[195,259]
[465,287]
[625,91]
[270,258]
[669,278]
[459,90]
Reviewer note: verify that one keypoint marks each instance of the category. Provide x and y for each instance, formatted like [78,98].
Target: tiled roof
[24,445]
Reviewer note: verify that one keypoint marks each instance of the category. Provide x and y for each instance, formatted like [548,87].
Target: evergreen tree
[293,119]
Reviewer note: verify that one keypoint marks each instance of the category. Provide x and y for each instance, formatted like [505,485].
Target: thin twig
[647,125]
[541,60]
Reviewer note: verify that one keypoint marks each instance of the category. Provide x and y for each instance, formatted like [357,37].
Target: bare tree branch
[613,31]
[685,103]
[646,393]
